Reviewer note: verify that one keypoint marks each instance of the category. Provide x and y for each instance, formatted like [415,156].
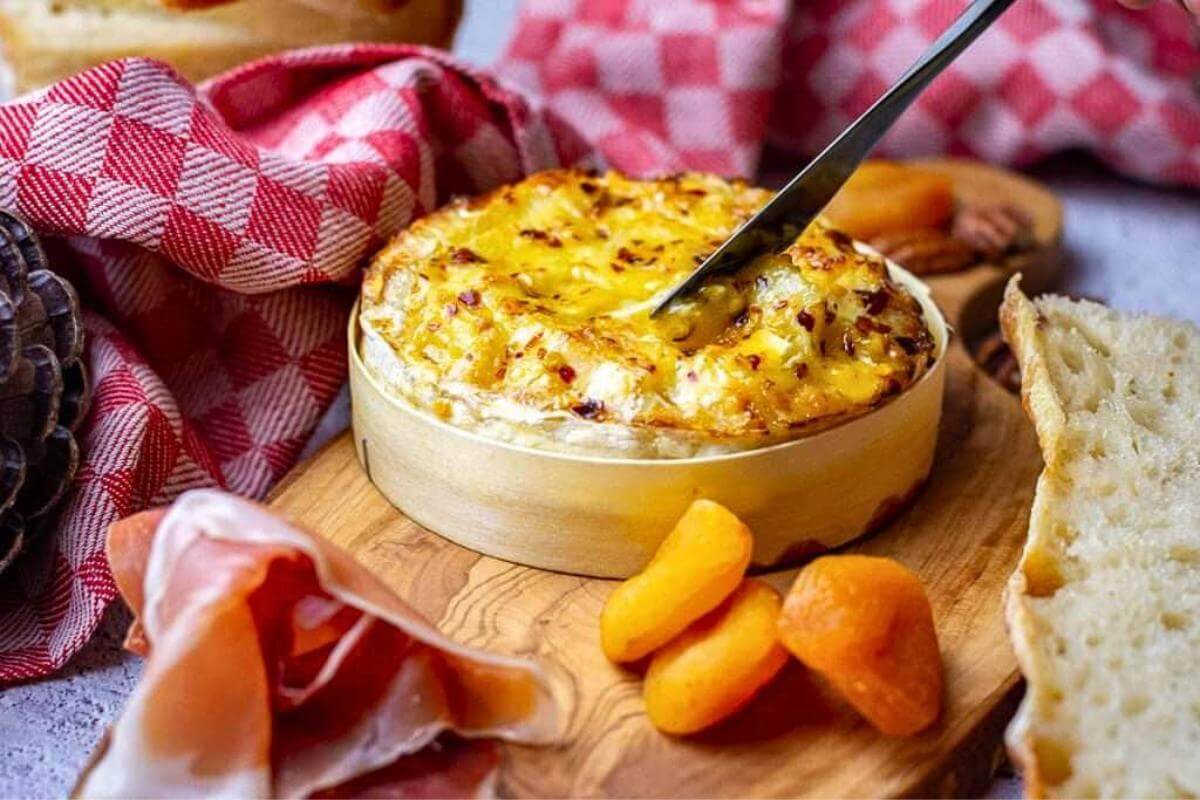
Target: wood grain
[962,535]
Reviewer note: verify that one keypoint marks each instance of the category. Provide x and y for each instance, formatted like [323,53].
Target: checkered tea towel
[215,236]
[708,83]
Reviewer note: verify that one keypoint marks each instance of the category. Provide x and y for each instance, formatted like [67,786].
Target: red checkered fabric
[214,237]
[699,83]
[657,86]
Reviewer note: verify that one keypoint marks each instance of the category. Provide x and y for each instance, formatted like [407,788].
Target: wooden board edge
[969,769]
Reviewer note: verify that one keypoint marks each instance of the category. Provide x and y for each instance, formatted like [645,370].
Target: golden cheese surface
[525,314]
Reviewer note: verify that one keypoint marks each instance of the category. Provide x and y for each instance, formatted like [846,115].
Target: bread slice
[1104,608]
[47,40]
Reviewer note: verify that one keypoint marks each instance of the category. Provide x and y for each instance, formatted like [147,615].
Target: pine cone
[43,386]
[925,251]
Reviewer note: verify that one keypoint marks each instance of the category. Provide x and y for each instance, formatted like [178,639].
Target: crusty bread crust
[1019,323]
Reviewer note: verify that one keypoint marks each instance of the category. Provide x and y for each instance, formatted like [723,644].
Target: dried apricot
[883,197]
[714,667]
[697,566]
[865,624]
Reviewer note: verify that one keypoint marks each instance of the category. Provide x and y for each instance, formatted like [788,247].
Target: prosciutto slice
[277,666]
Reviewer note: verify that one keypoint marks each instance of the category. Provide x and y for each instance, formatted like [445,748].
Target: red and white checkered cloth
[216,237]
[705,84]
[216,234]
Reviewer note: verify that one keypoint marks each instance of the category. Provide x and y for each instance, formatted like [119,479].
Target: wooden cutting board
[962,536]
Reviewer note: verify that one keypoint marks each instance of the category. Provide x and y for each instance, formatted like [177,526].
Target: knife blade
[799,202]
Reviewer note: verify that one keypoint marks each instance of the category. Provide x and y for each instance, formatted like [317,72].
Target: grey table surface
[1137,247]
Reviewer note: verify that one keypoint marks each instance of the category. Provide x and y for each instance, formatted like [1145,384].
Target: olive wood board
[962,535]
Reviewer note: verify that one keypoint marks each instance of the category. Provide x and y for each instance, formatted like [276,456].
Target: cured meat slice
[279,666]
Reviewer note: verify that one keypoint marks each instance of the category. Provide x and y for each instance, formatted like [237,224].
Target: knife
[798,203]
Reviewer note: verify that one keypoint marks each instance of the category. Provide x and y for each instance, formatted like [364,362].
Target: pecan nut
[926,251]
[993,231]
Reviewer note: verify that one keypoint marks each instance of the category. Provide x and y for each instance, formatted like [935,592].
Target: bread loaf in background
[1104,608]
[47,40]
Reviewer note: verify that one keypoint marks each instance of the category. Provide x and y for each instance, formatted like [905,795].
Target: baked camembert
[524,315]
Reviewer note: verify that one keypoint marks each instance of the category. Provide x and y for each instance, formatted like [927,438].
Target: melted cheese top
[525,314]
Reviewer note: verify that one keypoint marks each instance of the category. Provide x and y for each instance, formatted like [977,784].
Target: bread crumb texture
[1104,609]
